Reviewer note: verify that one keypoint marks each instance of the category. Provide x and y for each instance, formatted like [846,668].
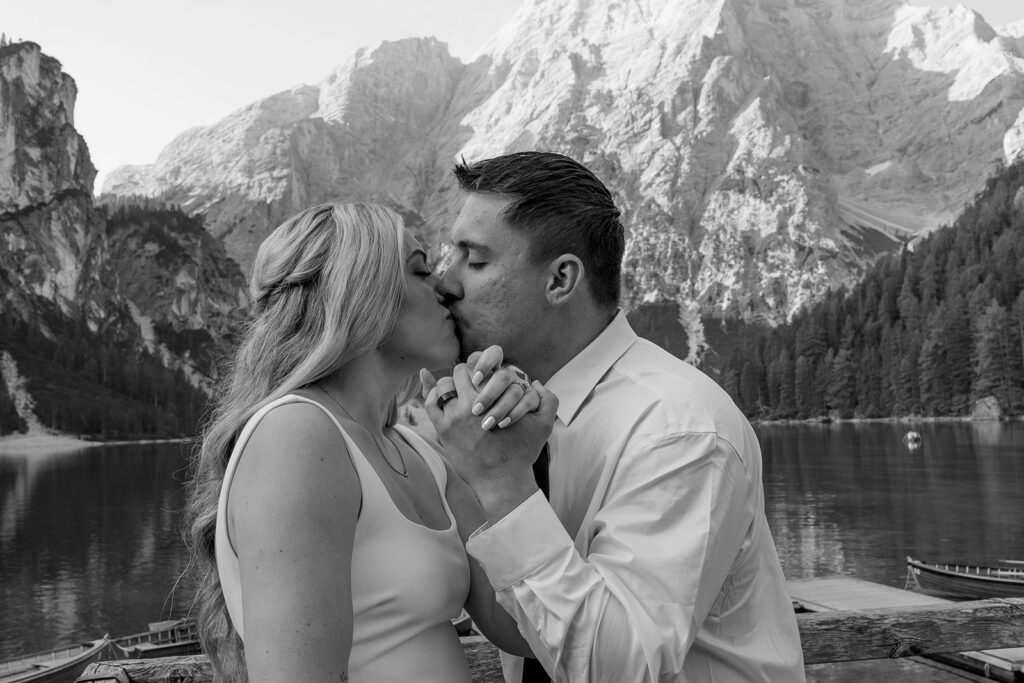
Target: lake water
[90,543]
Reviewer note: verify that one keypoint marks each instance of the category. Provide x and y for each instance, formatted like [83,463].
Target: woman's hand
[497,464]
[504,390]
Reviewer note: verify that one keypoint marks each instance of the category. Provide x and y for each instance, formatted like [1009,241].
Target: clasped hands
[493,428]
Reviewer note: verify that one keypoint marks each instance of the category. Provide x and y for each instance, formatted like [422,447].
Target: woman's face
[424,335]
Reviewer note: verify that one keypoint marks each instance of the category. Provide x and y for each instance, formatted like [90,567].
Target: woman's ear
[565,278]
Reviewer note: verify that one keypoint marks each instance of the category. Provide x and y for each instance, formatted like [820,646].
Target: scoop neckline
[350,442]
[437,487]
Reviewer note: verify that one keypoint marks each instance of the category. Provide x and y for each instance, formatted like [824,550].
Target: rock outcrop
[143,283]
[762,150]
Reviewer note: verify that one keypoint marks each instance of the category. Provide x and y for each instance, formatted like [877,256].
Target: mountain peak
[411,68]
[762,150]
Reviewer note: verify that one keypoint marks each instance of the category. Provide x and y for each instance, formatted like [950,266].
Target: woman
[324,533]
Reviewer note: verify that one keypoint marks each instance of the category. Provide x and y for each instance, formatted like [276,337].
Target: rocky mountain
[108,315]
[383,127]
[763,150]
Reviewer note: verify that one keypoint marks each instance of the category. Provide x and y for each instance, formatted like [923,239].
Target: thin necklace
[404,472]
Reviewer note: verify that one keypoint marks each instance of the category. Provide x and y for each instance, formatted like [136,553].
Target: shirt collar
[577,378]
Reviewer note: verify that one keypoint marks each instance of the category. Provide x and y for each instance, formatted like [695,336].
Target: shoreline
[37,442]
[823,420]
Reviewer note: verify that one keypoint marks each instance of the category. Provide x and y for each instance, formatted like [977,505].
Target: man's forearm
[642,581]
[501,496]
[565,607]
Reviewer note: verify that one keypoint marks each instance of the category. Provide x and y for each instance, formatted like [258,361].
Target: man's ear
[565,278]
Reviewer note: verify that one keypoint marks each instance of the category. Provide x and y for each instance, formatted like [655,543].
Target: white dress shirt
[653,560]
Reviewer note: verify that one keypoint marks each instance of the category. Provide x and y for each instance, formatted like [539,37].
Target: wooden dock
[841,619]
[848,594]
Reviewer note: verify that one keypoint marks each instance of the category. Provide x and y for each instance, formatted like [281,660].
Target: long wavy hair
[326,287]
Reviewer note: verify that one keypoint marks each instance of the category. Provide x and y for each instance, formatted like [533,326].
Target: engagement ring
[522,379]
[445,397]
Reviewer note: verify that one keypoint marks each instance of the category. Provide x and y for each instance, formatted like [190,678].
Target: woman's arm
[293,508]
[490,617]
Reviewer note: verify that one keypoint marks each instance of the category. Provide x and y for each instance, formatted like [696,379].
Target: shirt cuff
[519,543]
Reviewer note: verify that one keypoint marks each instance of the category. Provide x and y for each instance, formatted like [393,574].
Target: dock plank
[847,593]
[844,593]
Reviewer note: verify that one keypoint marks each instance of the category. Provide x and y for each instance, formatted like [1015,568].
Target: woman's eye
[476,266]
[423,273]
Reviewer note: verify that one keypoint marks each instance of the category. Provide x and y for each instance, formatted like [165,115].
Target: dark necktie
[540,469]
[533,672]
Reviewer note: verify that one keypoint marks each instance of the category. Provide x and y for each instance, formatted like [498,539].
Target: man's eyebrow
[475,246]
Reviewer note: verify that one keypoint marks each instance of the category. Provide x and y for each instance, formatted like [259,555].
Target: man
[652,559]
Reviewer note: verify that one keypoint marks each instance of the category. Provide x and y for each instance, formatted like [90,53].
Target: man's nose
[449,287]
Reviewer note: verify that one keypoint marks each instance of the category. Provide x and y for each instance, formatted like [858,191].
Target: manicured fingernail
[488,423]
[505,423]
[478,408]
[477,378]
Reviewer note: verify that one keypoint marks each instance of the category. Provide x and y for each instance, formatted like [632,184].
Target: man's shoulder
[659,392]
[666,378]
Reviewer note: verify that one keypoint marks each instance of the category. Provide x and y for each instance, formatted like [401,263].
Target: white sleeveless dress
[408,581]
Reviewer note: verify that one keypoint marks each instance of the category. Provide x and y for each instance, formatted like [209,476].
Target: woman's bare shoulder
[297,421]
[296,445]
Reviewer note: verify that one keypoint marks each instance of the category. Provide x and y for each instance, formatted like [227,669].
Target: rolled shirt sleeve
[625,601]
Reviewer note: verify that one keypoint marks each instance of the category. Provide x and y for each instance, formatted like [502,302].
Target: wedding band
[445,397]
[524,385]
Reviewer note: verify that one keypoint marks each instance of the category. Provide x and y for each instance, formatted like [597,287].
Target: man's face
[495,292]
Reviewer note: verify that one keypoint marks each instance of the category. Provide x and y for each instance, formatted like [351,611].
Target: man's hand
[504,396]
[496,463]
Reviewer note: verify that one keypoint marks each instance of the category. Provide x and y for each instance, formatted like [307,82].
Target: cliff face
[41,154]
[148,285]
[379,128]
[49,226]
[763,150]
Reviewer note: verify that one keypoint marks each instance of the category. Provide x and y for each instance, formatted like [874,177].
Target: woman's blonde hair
[326,287]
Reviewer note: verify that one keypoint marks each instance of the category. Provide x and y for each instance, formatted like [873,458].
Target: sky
[147,70]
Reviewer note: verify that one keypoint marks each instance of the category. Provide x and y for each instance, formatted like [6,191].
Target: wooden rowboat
[163,639]
[966,582]
[56,666]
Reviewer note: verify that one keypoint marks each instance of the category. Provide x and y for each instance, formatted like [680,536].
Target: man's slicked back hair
[562,207]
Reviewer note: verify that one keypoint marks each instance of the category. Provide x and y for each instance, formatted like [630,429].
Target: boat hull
[165,639]
[57,666]
[967,583]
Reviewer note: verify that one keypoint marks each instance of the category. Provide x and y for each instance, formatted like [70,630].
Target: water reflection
[853,499]
[89,544]
[89,540]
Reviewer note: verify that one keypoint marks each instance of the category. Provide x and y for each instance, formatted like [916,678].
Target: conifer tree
[841,390]
[908,303]
[804,389]
[750,388]
[956,322]
[810,336]
[869,384]
[10,420]
[781,374]
[907,390]
[888,371]
[995,359]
